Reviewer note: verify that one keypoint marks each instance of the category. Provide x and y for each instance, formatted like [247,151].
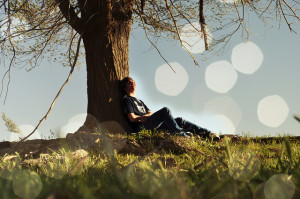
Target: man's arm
[148,113]
[136,118]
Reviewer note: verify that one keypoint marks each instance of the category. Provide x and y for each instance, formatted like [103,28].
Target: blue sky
[220,94]
[247,104]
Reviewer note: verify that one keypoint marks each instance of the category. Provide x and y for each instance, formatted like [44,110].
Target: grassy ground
[159,166]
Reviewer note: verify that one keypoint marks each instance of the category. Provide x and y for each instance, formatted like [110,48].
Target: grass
[248,168]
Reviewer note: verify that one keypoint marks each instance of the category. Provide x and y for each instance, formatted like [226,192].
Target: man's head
[127,85]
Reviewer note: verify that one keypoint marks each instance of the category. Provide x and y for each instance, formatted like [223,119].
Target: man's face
[130,87]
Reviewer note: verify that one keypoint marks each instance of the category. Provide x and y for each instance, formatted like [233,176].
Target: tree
[104,27]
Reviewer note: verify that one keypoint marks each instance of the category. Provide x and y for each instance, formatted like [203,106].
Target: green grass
[249,168]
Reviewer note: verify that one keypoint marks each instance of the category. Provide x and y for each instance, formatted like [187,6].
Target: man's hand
[135,118]
[143,119]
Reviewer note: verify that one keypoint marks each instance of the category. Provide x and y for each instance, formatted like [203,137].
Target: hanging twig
[286,20]
[241,19]
[295,14]
[156,47]
[52,104]
[177,32]
[146,34]
[13,57]
[183,15]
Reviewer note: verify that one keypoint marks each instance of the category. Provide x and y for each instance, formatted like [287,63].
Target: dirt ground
[96,142]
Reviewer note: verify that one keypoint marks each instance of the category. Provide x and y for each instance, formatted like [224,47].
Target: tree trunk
[106,43]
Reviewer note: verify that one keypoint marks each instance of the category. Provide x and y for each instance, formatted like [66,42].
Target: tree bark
[106,41]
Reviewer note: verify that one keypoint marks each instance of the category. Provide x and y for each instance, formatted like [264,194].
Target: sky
[251,88]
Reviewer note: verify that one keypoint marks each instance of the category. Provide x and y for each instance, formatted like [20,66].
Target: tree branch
[13,57]
[144,27]
[295,14]
[241,19]
[185,17]
[60,90]
[143,5]
[284,16]
[177,32]
[202,23]
[68,12]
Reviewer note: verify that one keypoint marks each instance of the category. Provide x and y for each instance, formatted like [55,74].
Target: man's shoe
[183,134]
[214,136]
[189,133]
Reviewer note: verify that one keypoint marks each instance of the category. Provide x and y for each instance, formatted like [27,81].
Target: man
[140,116]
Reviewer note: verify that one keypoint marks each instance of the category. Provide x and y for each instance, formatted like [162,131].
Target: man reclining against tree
[140,116]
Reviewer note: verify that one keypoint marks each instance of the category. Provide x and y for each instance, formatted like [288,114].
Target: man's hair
[123,84]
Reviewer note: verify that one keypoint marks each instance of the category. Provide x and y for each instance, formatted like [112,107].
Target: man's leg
[191,127]
[165,118]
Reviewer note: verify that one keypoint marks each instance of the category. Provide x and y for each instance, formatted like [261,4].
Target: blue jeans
[163,119]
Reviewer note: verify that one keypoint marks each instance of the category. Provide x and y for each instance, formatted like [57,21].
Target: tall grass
[244,169]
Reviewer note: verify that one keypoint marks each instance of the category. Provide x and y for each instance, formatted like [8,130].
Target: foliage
[249,168]
[10,124]
[32,30]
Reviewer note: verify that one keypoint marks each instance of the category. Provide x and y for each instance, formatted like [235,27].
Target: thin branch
[146,34]
[286,20]
[9,73]
[49,35]
[69,13]
[177,32]
[241,20]
[3,4]
[156,47]
[13,57]
[183,15]
[291,9]
[53,102]
[70,48]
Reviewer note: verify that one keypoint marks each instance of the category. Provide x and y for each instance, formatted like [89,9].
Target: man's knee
[166,110]
[179,120]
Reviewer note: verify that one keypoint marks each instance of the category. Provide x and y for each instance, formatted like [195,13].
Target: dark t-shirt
[133,105]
